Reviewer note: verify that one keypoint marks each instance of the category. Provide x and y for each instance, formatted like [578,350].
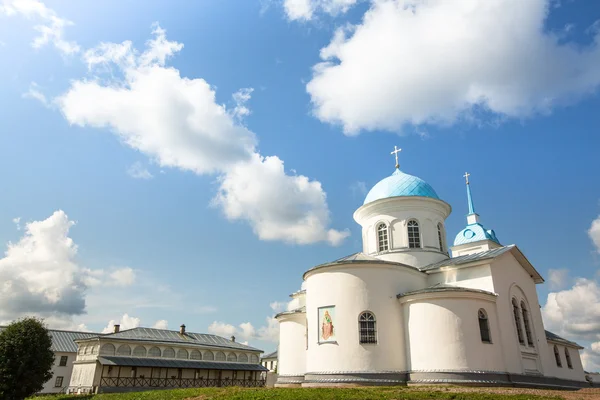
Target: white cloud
[125,322]
[305,10]
[558,278]
[594,233]
[221,329]
[177,122]
[17,222]
[161,324]
[51,28]
[278,306]
[138,171]
[123,276]
[36,94]
[434,62]
[246,331]
[359,188]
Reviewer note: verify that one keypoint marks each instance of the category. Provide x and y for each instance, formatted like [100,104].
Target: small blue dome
[474,233]
[400,184]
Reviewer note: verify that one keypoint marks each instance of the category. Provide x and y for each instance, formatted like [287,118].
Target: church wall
[479,277]
[564,372]
[292,345]
[443,334]
[353,290]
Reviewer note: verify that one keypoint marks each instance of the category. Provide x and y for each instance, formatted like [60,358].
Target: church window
[440,238]
[195,355]
[526,323]
[231,357]
[154,352]
[220,356]
[107,350]
[124,350]
[253,358]
[517,316]
[568,357]
[557,357]
[243,358]
[169,353]
[208,355]
[382,238]
[81,350]
[95,350]
[139,351]
[414,238]
[367,328]
[484,326]
[182,354]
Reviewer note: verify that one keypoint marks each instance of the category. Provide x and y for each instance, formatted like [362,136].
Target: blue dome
[474,233]
[400,184]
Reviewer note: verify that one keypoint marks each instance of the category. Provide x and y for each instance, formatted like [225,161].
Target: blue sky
[162,248]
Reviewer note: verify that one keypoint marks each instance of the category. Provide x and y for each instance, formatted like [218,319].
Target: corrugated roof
[555,338]
[484,255]
[359,258]
[270,355]
[166,363]
[441,287]
[296,311]
[166,336]
[63,341]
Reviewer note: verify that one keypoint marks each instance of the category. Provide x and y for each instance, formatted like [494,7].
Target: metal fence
[178,382]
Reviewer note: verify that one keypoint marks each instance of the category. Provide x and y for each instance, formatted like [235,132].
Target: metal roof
[166,336]
[484,255]
[441,287]
[555,338]
[400,184]
[63,341]
[166,363]
[270,355]
[296,311]
[359,258]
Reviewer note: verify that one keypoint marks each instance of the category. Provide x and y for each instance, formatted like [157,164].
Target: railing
[178,382]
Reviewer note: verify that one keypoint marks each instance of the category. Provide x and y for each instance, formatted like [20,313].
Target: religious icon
[326,327]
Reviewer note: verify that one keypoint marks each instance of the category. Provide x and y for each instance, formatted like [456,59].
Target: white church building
[405,311]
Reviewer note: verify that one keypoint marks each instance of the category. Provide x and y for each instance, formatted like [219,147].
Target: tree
[26,358]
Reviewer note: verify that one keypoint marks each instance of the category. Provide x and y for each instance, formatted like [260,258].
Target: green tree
[26,358]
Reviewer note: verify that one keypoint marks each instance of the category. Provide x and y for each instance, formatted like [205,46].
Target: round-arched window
[484,326]
[367,330]
[124,350]
[154,352]
[220,356]
[169,353]
[139,351]
[382,238]
[414,236]
[208,355]
[107,349]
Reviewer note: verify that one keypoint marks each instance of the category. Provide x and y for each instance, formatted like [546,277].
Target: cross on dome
[395,152]
[466,176]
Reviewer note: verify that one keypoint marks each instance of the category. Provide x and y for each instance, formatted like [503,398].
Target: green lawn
[394,393]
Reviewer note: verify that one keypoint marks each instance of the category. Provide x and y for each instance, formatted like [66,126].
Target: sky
[186,162]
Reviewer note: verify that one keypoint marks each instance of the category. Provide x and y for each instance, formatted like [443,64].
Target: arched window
[243,358]
[87,350]
[208,355]
[169,353]
[568,357]
[440,238]
[107,349]
[182,354]
[220,356]
[231,357]
[517,316]
[484,326]
[557,357]
[124,350]
[81,350]
[367,330]
[414,238]
[154,352]
[526,323]
[95,350]
[139,351]
[195,355]
[253,358]
[382,238]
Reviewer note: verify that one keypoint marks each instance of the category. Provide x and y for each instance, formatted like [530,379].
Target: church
[406,310]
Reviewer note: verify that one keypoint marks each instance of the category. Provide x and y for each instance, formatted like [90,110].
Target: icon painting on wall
[326,324]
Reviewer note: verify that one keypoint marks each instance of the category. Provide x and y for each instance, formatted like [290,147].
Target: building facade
[407,310]
[147,359]
[270,361]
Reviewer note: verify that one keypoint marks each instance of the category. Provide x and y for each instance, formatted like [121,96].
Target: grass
[233,393]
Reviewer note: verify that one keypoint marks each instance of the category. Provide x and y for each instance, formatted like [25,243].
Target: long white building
[407,310]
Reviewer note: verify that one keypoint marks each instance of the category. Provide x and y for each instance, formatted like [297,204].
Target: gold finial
[395,152]
[466,176]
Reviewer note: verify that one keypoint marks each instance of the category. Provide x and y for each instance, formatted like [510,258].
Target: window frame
[367,335]
[415,226]
[568,358]
[486,327]
[58,382]
[63,361]
[440,230]
[517,319]
[383,244]
[557,357]
[527,325]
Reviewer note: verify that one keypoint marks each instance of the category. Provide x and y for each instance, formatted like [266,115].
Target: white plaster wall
[396,212]
[84,375]
[479,277]
[443,334]
[565,372]
[57,370]
[352,290]
[292,345]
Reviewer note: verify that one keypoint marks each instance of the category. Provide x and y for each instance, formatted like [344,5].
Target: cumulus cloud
[35,94]
[558,278]
[278,306]
[177,122]
[138,171]
[123,276]
[594,233]
[125,322]
[246,331]
[435,62]
[51,26]
[161,324]
[305,10]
